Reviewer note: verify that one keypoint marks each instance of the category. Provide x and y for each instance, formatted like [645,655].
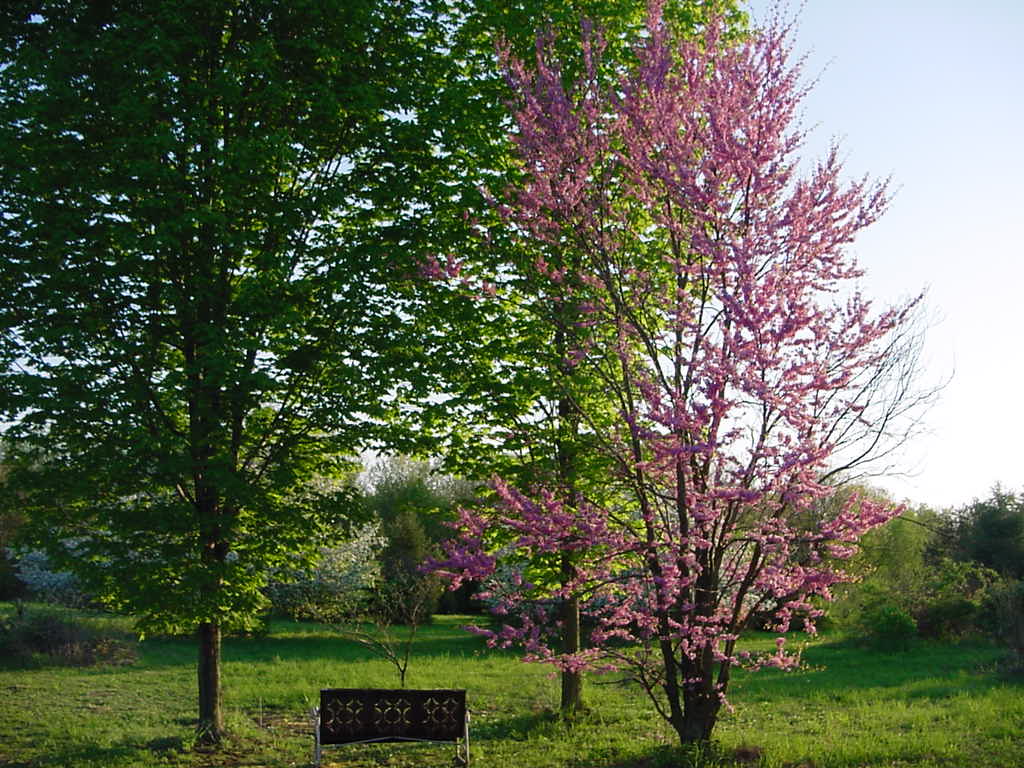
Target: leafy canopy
[205,301]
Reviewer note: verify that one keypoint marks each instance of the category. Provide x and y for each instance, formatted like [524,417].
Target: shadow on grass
[91,754]
[517,727]
[839,668]
[293,640]
[669,756]
[548,724]
[236,752]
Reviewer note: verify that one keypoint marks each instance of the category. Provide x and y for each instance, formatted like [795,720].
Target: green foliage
[396,485]
[991,532]
[413,502]
[1008,600]
[888,626]
[413,596]
[956,600]
[408,546]
[895,553]
[904,570]
[950,617]
[943,570]
[195,227]
[210,234]
[947,600]
[339,585]
[505,376]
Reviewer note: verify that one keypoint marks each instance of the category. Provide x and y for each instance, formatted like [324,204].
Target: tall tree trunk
[211,718]
[572,682]
[566,463]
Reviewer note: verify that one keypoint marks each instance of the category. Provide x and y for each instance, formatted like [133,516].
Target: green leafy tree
[413,501]
[208,212]
[904,572]
[991,532]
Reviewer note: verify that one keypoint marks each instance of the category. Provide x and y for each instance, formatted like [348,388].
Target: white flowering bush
[45,584]
[339,586]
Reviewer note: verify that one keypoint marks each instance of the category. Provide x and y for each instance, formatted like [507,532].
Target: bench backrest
[349,715]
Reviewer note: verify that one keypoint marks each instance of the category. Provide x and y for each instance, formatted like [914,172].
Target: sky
[931,93]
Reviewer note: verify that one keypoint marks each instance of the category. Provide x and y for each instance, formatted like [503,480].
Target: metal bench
[371,715]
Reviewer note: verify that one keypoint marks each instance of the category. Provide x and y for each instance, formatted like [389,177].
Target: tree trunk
[567,468]
[210,729]
[700,713]
[572,682]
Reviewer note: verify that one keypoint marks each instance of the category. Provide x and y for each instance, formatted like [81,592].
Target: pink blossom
[709,272]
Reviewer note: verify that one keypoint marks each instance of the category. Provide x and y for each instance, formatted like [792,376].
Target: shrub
[338,587]
[411,596]
[414,503]
[949,618]
[43,637]
[46,585]
[952,601]
[947,599]
[889,627]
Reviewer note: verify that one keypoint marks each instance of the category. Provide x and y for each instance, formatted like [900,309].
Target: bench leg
[317,753]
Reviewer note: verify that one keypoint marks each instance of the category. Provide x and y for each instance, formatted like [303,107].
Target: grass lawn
[934,705]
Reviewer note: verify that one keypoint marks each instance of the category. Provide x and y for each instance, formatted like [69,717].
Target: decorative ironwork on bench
[371,715]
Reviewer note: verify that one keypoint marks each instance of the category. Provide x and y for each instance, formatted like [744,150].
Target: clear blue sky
[932,92]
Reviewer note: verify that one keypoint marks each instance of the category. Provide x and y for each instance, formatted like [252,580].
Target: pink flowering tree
[717,303]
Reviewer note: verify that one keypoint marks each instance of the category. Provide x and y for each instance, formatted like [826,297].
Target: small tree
[413,501]
[46,584]
[405,601]
[720,313]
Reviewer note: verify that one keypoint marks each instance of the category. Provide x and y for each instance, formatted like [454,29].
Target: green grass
[932,706]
